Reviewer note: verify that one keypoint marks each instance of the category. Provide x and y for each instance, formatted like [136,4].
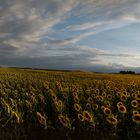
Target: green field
[54,105]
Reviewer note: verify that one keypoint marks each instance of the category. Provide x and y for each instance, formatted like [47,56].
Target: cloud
[30,31]
[84,26]
[71,40]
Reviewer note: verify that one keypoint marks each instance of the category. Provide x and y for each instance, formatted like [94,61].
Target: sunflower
[64,120]
[88,106]
[54,97]
[119,104]
[134,95]
[102,107]
[90,100]
[39,117]
[15,116]
[8,108]
[60,103]
[95,106]
[74,94]
[76,99]
[81,117]
[112,119]
[109,97]
[118,94]
[104,94]
[107,104]
[136,118]
[138,96]
[87,116]
[135,112]
[123,98]
[107,111]
[122,109]
[134,103]
[77,107]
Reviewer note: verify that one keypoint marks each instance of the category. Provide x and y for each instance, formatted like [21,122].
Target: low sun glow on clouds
[98,35]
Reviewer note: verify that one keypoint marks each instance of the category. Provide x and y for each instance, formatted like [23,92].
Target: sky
[94,35]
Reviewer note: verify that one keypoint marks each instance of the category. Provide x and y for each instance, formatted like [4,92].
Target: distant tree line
[127,72]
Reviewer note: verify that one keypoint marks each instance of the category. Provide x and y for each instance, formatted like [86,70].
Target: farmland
[39,104]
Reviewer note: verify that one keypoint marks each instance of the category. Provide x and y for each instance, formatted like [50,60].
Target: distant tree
[127,72]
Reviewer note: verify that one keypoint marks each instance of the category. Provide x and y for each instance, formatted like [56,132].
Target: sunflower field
[54,105]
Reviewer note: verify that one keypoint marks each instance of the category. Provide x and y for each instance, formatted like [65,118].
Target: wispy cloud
[71,40]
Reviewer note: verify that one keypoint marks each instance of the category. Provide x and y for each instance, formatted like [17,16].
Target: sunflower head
[87,116]
[112,120]
[119,104]
[95,106]
[107,111]
[81,117]
[134,103]
[122,109]
[90,100]
[88,106]
[109,97]
[64,121]
[135,112]
[77,107]
[136,118]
